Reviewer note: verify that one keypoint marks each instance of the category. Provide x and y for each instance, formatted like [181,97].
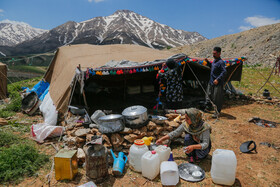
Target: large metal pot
[135,116]
[111,123]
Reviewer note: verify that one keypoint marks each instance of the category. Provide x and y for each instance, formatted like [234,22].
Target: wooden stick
[266,79]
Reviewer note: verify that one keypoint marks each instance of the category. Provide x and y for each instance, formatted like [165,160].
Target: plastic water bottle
[136,152]
[150,165]
[223,167]
[163,152]
[169,173]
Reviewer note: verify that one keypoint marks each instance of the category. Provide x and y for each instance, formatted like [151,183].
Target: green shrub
[8,138]
[18,161]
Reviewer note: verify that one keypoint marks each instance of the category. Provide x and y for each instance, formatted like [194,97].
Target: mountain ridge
[122,27]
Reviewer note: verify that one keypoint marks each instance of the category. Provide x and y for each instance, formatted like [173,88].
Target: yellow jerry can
[65,164]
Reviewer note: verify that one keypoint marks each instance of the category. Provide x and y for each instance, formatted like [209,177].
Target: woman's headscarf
[198,125]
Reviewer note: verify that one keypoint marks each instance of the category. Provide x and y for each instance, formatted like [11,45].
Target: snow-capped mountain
[13,33]
[122,27]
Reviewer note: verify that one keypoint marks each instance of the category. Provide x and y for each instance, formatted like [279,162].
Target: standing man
[216,82]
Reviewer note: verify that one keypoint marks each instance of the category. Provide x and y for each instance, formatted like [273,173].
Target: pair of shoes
[191,160]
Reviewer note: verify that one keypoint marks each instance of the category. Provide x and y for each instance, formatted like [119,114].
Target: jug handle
[125,159]
[113,154]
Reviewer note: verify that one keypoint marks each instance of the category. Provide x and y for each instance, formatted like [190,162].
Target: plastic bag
[42,131]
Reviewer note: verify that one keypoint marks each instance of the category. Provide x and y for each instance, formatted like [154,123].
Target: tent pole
[124,94]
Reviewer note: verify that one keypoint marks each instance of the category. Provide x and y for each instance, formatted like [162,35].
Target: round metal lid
[110,117]
[134,110]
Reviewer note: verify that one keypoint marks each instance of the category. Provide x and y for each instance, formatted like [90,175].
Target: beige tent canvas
[62,69]
[71,63]
[3,81]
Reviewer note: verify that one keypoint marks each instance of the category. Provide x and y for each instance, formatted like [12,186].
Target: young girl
[197,137]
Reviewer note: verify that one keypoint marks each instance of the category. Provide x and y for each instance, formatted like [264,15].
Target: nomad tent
[75,68]
[3,81]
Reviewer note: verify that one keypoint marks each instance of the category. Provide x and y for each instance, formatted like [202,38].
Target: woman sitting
[197,137]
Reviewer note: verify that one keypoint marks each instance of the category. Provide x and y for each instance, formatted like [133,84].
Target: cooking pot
[111,123]
[135,116]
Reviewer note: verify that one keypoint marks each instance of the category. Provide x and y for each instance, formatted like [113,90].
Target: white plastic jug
[163,152]
[150,165]
[169,173]
[136,152]
[223,167]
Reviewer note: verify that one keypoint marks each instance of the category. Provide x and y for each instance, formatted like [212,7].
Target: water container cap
[139,142]
[153,152]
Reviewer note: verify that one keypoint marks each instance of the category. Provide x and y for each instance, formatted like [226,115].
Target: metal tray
[191,172]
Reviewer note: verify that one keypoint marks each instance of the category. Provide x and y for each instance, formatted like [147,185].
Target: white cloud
[1,10]
[230,30]
[245,28]
[96,1]
[258,21]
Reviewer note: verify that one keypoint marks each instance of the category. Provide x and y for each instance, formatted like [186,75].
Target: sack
[41,131]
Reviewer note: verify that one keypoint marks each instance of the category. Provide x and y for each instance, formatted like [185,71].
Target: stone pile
[77,135]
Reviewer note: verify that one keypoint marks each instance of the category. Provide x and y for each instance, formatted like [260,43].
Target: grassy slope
[252,81]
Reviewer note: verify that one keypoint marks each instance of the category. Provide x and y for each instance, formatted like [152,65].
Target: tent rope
[214,106]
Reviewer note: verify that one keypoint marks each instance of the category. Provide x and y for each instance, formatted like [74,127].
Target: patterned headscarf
[198,125]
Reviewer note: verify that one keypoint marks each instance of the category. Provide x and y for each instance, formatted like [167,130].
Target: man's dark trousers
[216,94]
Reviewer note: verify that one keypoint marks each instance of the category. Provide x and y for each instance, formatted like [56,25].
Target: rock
[136,131]
[126,145]
[171,116]
[163,133]
[80,140]
[118,149]
[143,129]
[126,131]
[88,137]
[78,124]
[82,132]
[142,134]
[173,124]
[150,134]
[158,130]
[93,126]
[116,140]
[3,122]
[71,141]
[70,127]
[107,140]
[81,156]
[151,125]
[168,128]
[131,137]
[126,151]
[94,131]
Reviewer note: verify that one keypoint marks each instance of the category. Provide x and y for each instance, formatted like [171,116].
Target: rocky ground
[229,132]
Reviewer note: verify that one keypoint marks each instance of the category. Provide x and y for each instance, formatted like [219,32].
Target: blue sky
[211,18]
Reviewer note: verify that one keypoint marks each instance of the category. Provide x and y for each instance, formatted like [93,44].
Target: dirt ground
[232,129]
